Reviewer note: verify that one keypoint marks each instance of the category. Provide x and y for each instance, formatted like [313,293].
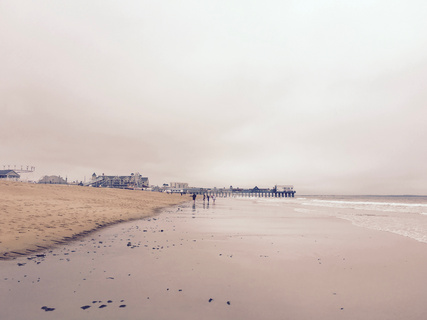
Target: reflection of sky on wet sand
[237,259]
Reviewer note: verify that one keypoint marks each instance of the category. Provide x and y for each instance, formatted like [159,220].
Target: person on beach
[204,197]
[208,199]
[194,197]
[213,198]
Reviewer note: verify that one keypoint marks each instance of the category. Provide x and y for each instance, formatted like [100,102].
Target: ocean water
[402,215]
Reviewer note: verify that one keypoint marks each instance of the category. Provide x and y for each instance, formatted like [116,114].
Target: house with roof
[53,180]
[9,175]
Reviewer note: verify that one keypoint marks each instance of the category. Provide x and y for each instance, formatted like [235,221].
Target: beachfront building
[53,180]
[179,185]
[134,181]
[9,175]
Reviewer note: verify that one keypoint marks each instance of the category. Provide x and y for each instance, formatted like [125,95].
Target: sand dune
[35,217]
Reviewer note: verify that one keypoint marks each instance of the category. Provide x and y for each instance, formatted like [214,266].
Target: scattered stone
[47,308]
[109,301]
[85,307]
[21,264]
[210,300]
[129,244]
[102,306]
[122,306]
[228,302]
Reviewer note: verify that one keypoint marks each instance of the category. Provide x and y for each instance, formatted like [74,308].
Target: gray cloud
[326,96]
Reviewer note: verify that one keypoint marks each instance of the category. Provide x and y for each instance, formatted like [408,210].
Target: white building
[284,188]
[179,185]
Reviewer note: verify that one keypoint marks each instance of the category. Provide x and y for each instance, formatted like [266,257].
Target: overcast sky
[329,96]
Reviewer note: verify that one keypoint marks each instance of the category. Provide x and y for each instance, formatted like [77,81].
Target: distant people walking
[194,197]
[208,199]
[204,198]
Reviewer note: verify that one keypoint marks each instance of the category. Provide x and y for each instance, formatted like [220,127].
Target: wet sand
[233,260]
[34,217]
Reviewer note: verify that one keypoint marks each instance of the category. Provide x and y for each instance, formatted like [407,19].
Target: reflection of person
[204,197]
[208,199]
[194,197]
[213,198]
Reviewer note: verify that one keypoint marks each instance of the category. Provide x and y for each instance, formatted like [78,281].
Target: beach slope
[34,217]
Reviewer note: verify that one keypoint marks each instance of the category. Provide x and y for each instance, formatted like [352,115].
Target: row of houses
[136,181]
[133,181]
[12,175]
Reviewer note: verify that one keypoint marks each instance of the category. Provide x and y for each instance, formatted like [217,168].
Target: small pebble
[47,309]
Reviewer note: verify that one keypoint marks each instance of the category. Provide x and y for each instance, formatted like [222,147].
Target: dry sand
[34,217]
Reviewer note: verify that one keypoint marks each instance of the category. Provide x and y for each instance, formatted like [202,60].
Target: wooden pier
[243,193]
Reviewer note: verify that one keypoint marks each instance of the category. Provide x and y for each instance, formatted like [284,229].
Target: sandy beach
[34,217]
[237,259]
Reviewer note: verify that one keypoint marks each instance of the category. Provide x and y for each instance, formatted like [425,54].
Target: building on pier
[277,192]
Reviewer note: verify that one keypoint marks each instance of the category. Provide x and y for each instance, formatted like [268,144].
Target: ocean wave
[396,204]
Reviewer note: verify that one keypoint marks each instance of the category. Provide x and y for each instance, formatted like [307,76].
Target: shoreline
[232,260]
[37,217]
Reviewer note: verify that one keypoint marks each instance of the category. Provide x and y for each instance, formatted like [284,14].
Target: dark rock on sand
[47,308]
[85,307]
